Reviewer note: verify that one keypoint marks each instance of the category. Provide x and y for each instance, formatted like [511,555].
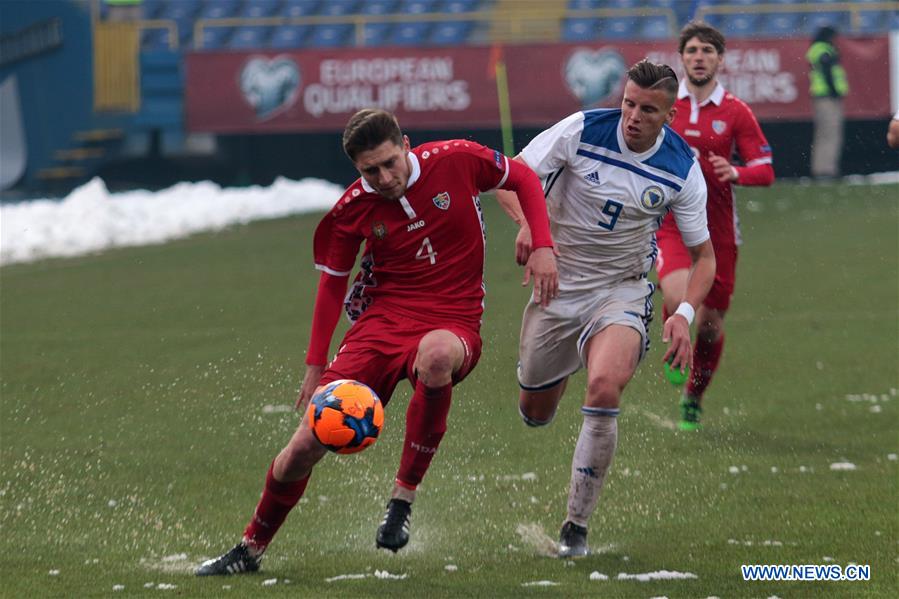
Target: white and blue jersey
[606,202]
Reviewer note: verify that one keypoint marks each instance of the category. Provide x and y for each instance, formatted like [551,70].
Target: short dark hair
[368,129]
[649,75]
[706,34]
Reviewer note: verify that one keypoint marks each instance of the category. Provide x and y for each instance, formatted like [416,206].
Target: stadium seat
[152,40]
[289,36]
[456,6]
[619,28]
[872,21]
[332,35]
[152,8]
[250,37]
[219,9]
[580,30]
[838,20]
[736,25]
[417,7]
[410,34]
[584,4]
[655,27]
[781,24]
[337,8]
[300,8]
[451,33]
[377,34]
[214,38]
[179,10]
[260,8]
[378,7]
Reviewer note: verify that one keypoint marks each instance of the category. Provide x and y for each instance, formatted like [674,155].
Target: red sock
[425,425]
[705,363]
[277,500]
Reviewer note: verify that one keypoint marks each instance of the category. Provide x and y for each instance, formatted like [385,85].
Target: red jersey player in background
[716,124]
[417,303]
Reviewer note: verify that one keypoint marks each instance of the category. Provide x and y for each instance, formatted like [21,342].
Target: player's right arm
[893,132]
[334,246]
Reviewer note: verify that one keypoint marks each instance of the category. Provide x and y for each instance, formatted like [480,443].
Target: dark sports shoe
[393,533]
[572,540]
[690,413]
[236,561]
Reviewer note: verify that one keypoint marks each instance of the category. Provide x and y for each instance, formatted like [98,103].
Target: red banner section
[455,88]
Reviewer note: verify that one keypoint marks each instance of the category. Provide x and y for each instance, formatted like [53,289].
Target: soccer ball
[346,416]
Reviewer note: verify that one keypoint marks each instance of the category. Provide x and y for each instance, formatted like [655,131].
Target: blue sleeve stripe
[629,167]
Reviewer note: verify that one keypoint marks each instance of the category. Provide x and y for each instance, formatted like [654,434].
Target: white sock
[592,458]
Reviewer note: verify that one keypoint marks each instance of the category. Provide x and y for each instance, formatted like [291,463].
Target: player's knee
[603,392]
[534,420]
[435,359]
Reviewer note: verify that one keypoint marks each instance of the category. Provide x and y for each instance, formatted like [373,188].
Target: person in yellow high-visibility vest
[827,87]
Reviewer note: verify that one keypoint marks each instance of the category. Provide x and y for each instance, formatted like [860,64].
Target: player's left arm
[754,151]
[893,133]
[689,209]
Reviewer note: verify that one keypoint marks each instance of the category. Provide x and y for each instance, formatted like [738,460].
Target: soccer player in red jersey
[416,303]
[716,124]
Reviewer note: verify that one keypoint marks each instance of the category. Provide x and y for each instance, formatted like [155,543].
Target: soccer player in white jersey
[610,178]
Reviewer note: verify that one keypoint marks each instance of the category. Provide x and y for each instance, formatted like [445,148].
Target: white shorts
[552,341]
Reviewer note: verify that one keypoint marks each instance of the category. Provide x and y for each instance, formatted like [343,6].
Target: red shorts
[674,255]
[380,348]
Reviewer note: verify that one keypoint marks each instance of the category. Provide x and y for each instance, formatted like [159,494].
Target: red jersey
[424,253]
[722,124]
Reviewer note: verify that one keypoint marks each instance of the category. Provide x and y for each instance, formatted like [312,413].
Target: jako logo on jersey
[379,230]
[592,178]
[413,226]
[719,127]
[652,197]
[442,200]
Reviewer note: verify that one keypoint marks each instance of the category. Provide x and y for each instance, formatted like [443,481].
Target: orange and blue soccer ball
[346,416]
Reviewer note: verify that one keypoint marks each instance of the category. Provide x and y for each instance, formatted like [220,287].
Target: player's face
[643,113]
[701,61]
[386,168]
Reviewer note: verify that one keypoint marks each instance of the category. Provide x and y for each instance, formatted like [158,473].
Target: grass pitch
[143,393]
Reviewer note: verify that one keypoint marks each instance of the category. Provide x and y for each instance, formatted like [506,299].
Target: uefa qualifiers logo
[270,86]
[594,76]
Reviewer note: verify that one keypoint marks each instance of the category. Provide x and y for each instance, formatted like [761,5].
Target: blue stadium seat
[655,27]
[579,30]
[289,36]
[337,8]
[584,4]
[619,28]
[417,7]
[378,7]
[451,33]
[377,34]
[736,25]
[215,38]
[410,34]
[250,37]
[152,8]
[260,8]
[154,40]
[332,35]
[838,20]
[183,9]
[782,24]
[219,9]
[456,6]
[300,8]
[872,21]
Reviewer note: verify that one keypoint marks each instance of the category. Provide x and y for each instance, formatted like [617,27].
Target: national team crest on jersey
[652,197]
[379,230]
[719,126]
[442,200]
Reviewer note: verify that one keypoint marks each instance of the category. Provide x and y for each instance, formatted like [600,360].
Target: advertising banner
[455,88]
